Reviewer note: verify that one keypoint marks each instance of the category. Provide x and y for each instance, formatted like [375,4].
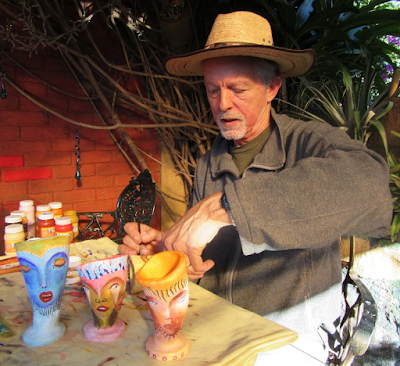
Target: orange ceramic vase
[165,284]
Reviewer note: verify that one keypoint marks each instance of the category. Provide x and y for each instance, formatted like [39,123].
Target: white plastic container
[28,207]
[72,274]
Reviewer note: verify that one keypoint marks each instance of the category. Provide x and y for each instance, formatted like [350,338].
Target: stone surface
[379,270]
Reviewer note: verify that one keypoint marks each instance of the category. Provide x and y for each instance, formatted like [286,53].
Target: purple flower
[384,77]
[389,68]
[394,40]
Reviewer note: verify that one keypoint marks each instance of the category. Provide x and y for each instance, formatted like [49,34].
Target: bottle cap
[46,216]
[55,204]
[13,219]
[14,228]
[63,220]
[43,208]
[74,261]
[25,203]
[20,213]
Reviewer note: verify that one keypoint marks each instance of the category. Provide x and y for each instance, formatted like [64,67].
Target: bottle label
[67,233]
[46,232]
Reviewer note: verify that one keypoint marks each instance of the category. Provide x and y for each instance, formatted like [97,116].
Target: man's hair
[265,70]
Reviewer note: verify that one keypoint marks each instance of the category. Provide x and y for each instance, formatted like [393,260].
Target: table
[219,333]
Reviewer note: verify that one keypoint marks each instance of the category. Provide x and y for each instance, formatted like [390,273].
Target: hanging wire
[78,156]
[2,71]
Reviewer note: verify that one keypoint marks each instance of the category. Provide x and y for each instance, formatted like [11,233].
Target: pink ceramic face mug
[104,282]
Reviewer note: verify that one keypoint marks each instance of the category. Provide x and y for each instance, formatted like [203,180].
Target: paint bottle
[24,220]
[74,221]
[13,219]
[56,208]
[13,233]
[46,225]
[72,274]
[40,209]
[64,227]
[28,207]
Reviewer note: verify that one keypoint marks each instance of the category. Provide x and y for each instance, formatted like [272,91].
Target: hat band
[229,44]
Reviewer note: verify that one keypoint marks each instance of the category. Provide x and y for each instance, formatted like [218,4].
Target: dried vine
[136,47]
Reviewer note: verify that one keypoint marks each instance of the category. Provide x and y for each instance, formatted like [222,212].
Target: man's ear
[274,87]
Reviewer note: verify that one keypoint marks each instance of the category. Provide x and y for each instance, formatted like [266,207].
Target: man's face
[239,101]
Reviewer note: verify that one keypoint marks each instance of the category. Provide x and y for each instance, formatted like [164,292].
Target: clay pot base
[34,337]
[94,334]
[167,350]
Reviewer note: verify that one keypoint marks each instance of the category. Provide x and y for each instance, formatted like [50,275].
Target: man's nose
[225,101]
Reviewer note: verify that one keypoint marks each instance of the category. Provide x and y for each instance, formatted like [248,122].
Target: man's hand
[150,239]
[195,230]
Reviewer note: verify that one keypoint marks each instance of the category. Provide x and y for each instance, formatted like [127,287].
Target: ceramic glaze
[44,265]
[165,284]
[104,282]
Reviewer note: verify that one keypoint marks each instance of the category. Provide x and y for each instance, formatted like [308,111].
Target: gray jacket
[310,185]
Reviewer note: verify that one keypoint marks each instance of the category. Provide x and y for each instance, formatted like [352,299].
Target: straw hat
[242,33]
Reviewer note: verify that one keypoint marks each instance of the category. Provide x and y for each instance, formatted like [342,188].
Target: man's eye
[59,262]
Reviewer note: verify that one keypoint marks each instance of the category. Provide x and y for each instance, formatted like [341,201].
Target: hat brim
[290,62]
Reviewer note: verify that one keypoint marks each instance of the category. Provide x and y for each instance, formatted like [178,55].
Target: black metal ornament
[3,93]
[78,156]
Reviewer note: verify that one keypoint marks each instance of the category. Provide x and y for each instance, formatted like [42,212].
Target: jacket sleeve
[330,186]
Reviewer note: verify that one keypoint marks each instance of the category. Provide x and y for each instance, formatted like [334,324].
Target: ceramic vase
[44,266]
[104,282]
[165,284]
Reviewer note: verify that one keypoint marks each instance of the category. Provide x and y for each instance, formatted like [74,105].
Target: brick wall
[37,149]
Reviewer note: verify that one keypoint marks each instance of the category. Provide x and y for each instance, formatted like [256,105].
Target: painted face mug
[44,266]
[104,282]
[165,284]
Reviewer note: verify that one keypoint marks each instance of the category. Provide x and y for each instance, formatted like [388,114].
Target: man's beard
[232,133]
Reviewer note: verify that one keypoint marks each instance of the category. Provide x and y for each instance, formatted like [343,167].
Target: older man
[274,194]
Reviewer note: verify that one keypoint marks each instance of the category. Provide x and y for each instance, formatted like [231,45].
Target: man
[274,195]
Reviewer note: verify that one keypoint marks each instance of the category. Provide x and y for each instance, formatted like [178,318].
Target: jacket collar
[271,157]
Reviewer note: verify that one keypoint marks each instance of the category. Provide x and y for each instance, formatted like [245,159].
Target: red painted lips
[46,296]
[102,308]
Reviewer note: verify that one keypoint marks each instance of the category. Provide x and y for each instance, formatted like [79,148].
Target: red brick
[42,198]
[44,133]
[12,191]
[112,169]
[97,206]
[37,89]
[63,171]
[13,175]
[95,182]
[95,157]
[123,180]
[11,161]
[23,118]
[109,192]
[48,159]
[75,196]
[19,146]
[10,132]
[11,103]
[63,145]
[56,185]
